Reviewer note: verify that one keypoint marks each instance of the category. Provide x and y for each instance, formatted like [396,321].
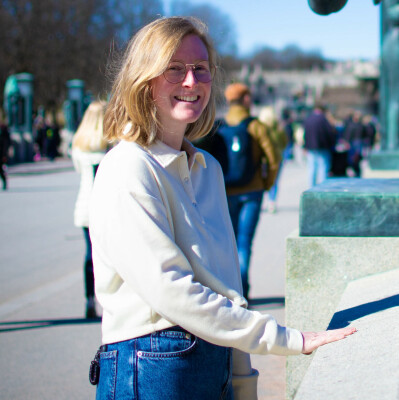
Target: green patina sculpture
[325,7]
[389,79]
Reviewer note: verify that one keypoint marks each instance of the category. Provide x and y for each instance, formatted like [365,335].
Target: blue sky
[351,33]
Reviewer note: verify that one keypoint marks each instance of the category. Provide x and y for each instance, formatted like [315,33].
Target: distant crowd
[341,145]
[336,148]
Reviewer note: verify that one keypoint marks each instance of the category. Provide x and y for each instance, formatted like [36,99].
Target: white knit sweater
[164,251]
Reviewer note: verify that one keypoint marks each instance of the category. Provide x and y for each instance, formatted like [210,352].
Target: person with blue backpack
[253,164]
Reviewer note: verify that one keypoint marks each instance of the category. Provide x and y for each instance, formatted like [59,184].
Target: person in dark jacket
[245,200]
[371,133]
[355,133]
[319,140]
[4,146]
[52,137]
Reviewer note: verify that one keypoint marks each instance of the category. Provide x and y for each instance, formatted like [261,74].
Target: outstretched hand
[313,340]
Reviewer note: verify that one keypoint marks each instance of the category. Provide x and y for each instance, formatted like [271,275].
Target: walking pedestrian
[39,136]
[245,195]
[370,135]
[289,131]
[355,134]
[165,260]
[280,140]
[319,142]
[52,137]
[88,149]
[5,142]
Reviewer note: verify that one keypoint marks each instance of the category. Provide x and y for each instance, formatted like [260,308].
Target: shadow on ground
[12,326]
[264,303]
[343,318]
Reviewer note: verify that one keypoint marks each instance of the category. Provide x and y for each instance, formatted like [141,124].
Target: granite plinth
[363,366]
[384,159]
[351,207]
[318,270]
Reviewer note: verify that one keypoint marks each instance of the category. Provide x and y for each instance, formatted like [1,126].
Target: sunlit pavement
[267,273]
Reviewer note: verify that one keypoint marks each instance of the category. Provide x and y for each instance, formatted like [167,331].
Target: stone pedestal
[363,365]
[318,267]
[351,207]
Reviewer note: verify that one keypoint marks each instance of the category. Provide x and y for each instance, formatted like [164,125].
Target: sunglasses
[177,71]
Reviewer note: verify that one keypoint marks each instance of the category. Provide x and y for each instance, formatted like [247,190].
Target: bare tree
[290,57]
[130,15]
[59,40]
[221,27]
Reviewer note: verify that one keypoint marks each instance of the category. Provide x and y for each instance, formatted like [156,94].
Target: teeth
[187,98]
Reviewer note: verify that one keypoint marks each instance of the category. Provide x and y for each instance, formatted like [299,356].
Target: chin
[189,119]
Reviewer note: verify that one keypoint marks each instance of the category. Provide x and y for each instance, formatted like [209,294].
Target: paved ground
[46,344]
[267,275]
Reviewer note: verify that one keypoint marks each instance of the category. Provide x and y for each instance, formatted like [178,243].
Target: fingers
[338,334]
[313,340]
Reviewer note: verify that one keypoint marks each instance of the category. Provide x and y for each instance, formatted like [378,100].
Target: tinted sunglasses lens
[176,72]
[204,72]
[203,77]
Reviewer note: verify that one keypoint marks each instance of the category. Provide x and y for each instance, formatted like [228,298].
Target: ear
[148,89]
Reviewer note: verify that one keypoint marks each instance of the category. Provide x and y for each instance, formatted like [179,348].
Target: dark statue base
[351,207]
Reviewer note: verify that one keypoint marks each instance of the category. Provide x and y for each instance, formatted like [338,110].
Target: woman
[164,252]
[88,149]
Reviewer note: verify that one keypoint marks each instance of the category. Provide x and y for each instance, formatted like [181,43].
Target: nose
[190,78]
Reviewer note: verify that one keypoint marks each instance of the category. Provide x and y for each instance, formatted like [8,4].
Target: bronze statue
[389,81]
[325,7]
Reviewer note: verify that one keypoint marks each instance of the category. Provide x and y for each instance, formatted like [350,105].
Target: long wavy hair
[131,112]
[89,135]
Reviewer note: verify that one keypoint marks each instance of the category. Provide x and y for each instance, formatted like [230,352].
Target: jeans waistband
[176,328]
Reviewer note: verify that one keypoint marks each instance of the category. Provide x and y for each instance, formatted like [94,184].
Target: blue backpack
[241,166]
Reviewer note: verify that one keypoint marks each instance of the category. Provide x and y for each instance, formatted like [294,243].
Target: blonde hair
[89,135]
[131,112]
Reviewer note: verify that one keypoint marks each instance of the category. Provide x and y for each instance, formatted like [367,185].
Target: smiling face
[179,104]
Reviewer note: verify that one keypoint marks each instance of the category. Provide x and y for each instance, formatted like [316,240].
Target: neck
[173,139]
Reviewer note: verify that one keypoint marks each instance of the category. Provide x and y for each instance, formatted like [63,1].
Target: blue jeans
[272,194]
[169,364]
[244,213]
[319,164]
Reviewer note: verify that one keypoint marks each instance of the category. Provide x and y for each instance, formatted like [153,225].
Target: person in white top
[88,149]
[175,323]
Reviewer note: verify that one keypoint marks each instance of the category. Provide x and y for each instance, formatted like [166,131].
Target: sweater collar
[167,155]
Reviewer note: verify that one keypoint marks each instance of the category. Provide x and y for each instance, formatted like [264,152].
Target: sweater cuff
[245,386]
[294,341]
